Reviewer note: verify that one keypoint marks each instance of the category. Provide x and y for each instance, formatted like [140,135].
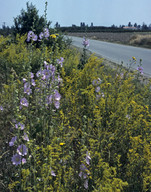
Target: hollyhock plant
[39,73]
[97,89]
[46,32]
[41,35]
[60,61]
[31,36]
[19,125]
[22,126]
[83,171]
[140,69]
[1,108]
[27,89]
[82,175]
[94,82]
[31,75]
[16,159]
[22,150]
[53,173]
[57,104]
[83,167]
[85,42]
[99,96]
[33,82]
[49,99]
[23,160]
[57,96]
[45,74]
[25,137]
[88,158]
[86,184]
[24,102]
[24,80]
[35,37]
[11,143]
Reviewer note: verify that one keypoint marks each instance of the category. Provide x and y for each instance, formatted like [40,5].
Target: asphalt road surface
[118,53]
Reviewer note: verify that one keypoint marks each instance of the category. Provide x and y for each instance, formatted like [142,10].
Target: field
[142,39]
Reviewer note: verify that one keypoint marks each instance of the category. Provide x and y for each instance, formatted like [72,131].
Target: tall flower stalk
[83,60]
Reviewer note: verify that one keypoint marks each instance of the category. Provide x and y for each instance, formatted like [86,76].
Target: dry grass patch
[141,40]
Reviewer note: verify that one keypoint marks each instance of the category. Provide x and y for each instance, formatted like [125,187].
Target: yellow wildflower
[134,58]
[62,144]
[53,36]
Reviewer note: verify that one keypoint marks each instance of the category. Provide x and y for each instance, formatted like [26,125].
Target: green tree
[29,20]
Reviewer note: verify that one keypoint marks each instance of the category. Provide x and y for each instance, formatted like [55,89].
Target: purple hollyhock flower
[45,64]
[99,96]
[57,95]
[16,159]
[53,69]
[24,102]
[97,89]
[33,82]
[86,184]
[99,81]
[30,35]
[95,82]
[80,174]
[41,35]
[57,104]
[1,108]
[60,61]
[140,69]
[53,173]
[11,143]
[24,80]
[23,160]
[88,158]
[83,167]
[39,73]
[45,74]
[27,89]
[85,42]
[83,171]
[31,75]
[35,37]
[83,175]
[22,150]
[25,137]
[59,79]
[22,126]
[46,32]
[49,99]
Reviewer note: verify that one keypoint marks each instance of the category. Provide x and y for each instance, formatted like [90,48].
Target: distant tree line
[113,28]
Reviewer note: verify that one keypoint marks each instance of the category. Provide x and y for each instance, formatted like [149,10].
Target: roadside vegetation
[68,122]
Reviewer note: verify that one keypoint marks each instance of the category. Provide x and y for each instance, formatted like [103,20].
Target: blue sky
[68,12]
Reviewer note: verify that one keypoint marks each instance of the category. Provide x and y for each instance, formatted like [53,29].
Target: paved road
[118,53]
